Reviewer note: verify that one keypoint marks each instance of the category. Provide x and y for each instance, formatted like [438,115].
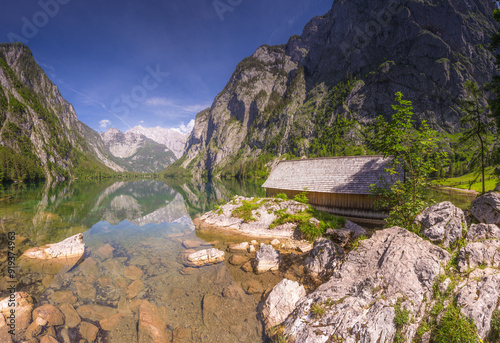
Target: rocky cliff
[137,153]
[40,132]
[173,140]
[316,94]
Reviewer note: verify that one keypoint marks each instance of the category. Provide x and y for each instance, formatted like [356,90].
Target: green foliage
[245,210]
[476,127]
[301,197]
[494,85]
[309,230]
[19,166]
[357,242]
[414,152]
[317,310]
[455,328]
[494,334]
[282,196]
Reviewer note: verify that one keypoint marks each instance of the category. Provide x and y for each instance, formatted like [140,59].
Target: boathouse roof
[347,175]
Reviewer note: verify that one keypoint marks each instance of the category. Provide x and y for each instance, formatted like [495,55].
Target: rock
[325,257]
[24,307]
[251,249]
[486,208]
[85,290]
[134,289]
[478,298]
[88,331]
[281,302]
[133,272]
[204,257]
[359,298]
[61,297]
[182,335]
[69,248]
[48,339]
[189,271]
[189,244]
[339,236]
[50,313]
[356,230]
[95,313]
[89,266]
[72,319]
[240,247]
[247,267]
[252,286]
[442,222]
[237,260]
[35,328]
[314,221]
[5,336]
[65,336]
[267,259]
[275,242]
[105,251]
[475,254]
[120,328]
[254,242]
[151,328]
[482,231]
[304,247]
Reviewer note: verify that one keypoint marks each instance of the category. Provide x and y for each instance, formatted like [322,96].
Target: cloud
[164,102]
[184,129]
[104,123]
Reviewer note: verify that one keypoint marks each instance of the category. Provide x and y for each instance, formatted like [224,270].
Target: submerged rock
[358,301]
[486,208]
[324,258]
[50,313]
[267,259]
[151,325]
[24,307]
[281,302]
[442,222]
[204,257]
[88,331]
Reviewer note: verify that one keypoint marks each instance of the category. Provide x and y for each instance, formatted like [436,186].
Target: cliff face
[316,94]
[137,153]
[39,130]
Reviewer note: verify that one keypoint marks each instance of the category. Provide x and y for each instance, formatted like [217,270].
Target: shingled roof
[348,175]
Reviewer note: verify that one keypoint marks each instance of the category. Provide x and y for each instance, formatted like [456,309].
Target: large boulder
[478,297]
[359,299]
[281,302]
[356,230]
[483,231]
[267,259]
[442,223]
[323,258]
[486,208]
[476,254]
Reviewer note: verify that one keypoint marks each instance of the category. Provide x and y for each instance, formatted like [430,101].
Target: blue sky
[151,63]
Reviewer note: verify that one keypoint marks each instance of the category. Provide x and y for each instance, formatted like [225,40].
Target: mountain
[174,140]
[137,153]
[317,94]
[40,134]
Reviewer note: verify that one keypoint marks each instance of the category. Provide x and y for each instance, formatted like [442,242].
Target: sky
[123,63]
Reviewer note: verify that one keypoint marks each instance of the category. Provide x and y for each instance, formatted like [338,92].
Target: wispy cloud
[167,103]
[104,123]
[184,129]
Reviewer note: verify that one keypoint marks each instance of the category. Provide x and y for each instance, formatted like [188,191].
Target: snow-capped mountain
[174,140]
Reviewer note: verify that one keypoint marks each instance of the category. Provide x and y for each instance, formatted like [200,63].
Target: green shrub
[245,210]
[455,328]
[494,335]
[301,197]
[282,196]
[318,310]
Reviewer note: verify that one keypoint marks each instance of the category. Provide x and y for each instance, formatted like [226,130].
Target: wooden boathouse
[339,185]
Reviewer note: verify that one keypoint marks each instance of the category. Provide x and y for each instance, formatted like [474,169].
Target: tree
[414,153]
[476,125]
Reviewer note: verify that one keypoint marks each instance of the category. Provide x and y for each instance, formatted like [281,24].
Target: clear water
[144,223]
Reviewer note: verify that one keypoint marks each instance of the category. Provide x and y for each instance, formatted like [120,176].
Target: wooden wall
[359,205]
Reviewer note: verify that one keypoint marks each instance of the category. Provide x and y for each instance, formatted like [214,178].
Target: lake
[134,233]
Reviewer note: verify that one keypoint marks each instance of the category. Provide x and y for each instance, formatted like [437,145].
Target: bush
[282,196]
[455,328]
[301,197]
